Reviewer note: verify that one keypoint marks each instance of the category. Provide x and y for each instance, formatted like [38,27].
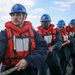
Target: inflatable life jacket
[70,30]
[64,34]
[49,35]
[20,43]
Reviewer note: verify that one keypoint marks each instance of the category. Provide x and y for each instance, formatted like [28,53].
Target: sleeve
[58,42]
[72,41]
[40,54]
[3,44]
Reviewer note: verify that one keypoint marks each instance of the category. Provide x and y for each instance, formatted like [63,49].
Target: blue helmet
[18,8]
[45,17]
[61,23]
[72,22]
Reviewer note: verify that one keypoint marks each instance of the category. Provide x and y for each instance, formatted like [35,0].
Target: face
[45,24]
[72,26]
[61,28]
[17,18]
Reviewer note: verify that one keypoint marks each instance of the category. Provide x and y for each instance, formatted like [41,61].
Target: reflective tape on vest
[65,37]
[71,33]
[48,38]
[22,44]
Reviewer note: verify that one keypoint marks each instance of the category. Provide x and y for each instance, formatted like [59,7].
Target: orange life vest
[20,43]
[49,35]
[70,30]
[64,34]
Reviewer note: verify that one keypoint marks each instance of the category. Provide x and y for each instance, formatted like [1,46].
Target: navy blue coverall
[53,62]
[34,59]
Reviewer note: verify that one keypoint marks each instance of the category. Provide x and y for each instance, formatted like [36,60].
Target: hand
[68,41]
[51,48]
[22,64]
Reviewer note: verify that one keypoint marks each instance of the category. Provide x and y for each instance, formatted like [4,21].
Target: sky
[57,9]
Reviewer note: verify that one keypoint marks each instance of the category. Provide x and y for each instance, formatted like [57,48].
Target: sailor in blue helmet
[53,39]
[71,30]
[64,51]
[20,45]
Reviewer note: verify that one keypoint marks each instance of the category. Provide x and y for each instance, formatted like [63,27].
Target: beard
[45,26]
